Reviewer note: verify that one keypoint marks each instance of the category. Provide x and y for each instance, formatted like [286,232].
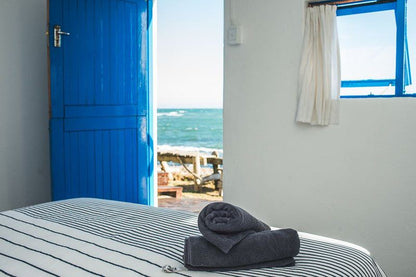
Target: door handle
[57,33]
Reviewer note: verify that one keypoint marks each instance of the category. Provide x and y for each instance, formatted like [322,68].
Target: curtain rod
[349,2]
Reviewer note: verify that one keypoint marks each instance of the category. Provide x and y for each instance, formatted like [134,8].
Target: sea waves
[191,128]
[202,150]
[172,114]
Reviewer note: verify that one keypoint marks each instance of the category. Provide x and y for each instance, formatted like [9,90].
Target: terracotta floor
[194,205]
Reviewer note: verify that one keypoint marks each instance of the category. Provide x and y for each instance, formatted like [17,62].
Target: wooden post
[215,169]
[165,167]
[218,183]
[220,191]
[196,162]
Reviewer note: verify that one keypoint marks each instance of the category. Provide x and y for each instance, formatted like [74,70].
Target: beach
[189,131]
[191,200]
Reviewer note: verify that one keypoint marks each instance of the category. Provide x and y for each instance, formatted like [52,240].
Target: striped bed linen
[92,237]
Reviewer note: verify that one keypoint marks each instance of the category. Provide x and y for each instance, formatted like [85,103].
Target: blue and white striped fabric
[91,237]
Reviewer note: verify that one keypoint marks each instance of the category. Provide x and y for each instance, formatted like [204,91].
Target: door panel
[104,159]
[100,100]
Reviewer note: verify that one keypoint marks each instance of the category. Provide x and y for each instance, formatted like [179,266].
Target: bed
[93,237]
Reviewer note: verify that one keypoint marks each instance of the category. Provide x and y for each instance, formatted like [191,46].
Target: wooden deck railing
[197,160]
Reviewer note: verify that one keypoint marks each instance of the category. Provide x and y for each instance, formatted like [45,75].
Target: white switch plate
[234,35]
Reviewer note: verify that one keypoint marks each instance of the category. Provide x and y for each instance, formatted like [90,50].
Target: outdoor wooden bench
[177,191]
[196,159]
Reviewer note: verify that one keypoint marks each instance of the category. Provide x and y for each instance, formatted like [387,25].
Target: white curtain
[320,73]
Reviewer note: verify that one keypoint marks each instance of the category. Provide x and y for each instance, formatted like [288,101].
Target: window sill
[377,96]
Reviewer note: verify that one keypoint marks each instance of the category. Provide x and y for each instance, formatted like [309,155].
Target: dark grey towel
[224,225]
[257,250]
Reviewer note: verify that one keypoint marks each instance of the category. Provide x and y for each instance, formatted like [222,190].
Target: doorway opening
[189,103]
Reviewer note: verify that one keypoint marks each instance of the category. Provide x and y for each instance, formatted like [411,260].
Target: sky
[190,53]
[368,48]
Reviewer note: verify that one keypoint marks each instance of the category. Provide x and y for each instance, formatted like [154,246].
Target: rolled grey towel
[224,225]
[257,250]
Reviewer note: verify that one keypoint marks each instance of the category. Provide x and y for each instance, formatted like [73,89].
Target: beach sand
[191,200]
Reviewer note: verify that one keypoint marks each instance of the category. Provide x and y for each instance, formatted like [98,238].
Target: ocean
[190,129]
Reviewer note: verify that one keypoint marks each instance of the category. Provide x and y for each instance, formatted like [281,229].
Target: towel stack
[233,239]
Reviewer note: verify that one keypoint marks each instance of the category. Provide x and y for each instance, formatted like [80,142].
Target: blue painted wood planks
[99,133]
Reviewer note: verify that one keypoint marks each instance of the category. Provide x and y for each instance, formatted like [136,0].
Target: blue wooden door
[99,127]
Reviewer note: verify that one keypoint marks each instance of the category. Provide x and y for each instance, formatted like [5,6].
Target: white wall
[24,142]
[354,182]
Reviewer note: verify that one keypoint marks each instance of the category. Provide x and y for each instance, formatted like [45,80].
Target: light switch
[234,35]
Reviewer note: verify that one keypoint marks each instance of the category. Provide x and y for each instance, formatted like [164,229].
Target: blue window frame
[402,74]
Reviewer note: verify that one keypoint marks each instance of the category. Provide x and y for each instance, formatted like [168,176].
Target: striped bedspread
[91,237]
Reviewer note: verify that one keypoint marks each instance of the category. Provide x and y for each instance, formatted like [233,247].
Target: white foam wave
[202,150]
[173,114]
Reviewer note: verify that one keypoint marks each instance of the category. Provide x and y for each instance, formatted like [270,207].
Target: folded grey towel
[224,225]
[257,250]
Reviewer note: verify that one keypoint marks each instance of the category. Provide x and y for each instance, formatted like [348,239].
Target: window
[375,60]
[410,88]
